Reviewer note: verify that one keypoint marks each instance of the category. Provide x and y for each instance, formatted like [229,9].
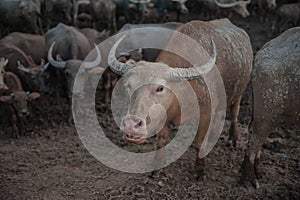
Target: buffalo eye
[160,88]
[67,73]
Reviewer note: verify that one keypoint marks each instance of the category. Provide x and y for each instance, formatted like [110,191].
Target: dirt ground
[52,163]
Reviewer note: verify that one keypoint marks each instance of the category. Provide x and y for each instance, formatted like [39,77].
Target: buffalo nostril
[133,125]
[139,124]
[24,113]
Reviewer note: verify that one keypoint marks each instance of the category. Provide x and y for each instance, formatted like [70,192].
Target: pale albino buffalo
[231,51]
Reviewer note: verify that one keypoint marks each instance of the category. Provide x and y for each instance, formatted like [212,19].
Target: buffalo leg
[234,132]
[249,169]
[14,119]
[200,143]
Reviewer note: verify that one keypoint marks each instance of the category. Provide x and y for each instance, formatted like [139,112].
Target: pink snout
[134,130]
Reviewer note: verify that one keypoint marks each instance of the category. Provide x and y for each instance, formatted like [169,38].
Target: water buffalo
[266,7]
[287,15]
[22,15]
[132,10]
[70,45]
[94,36]
[172,5]
[103,11]
[83,17]
[31,75]
[232,53]
[3,63]
[276,92]
[54,11]
[31,44]
[239,7]
[71,69]
[148,54]
[70,42]
[142,10]
[14,103]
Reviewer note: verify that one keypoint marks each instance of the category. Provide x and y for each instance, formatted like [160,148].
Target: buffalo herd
[44,45]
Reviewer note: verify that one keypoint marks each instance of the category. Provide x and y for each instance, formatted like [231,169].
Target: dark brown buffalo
[276,95]
[21,15]
[31,75]
[70,44]
[3,63]
[132,10]
[83,17]
[103,11]
[77,74]
[55,11]
[72,68]
[13,103]
[141,10]
[94,36]
[232,54]
[264,8]
[288,15]
[171,5]
[31,44]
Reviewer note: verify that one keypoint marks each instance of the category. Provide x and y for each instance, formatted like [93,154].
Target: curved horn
[3,62]
[248,1]
[54,63]
[96,62]
[45,67]
[22,68]
[226,5]
[197,71]
[115,65]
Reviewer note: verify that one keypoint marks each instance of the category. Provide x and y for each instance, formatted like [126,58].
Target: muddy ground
[51,162]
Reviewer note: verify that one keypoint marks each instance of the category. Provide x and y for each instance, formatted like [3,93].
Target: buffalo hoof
[248,173]
[200,173]
[234,134]
[157,174]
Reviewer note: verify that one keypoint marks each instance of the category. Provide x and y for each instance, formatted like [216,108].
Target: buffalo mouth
[138,139]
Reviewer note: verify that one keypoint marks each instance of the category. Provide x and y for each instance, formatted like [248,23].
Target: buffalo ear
[6,99]
[132,5]
[131,62]
[33,96]
[150,5]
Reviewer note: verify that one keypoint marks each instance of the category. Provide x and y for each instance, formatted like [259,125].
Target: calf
[30,74]
[276,95]
[15,102]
